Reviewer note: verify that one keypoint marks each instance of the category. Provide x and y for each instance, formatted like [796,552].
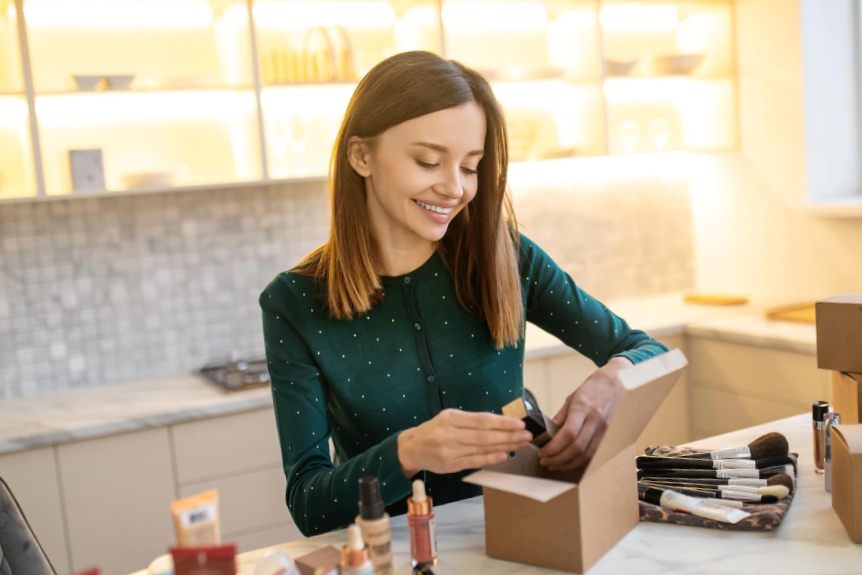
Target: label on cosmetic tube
[433,537]
[702,507]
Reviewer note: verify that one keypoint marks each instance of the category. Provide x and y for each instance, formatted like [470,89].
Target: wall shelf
[246,92]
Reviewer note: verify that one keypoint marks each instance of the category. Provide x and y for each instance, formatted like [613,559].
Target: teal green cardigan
[363,381]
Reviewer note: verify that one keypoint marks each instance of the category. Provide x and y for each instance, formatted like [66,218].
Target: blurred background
[692,164]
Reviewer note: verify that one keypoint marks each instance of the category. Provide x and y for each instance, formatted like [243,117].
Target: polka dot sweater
[361,382]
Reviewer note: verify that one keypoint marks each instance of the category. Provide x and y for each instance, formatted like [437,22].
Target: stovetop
[237,375]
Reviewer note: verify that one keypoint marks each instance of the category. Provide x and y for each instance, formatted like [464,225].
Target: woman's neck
[396,259]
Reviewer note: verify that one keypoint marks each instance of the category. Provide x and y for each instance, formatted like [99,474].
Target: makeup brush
[772,444]
[654,462]
[643,487]
[714,473]
[746,496]
[778,491]
[779,479]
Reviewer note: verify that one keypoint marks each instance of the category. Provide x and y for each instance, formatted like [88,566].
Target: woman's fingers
[482,437]
[565,435]
[585,457]
[490,421]
[577,447]
[479,461]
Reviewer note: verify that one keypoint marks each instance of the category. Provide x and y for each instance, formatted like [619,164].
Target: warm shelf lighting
[12,111]
[471,16]
[118,13]
[601,170]
[86,110]
[302,14]
[638,18]
[646,89]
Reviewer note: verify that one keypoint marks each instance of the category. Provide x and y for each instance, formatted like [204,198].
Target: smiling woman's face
[421,173]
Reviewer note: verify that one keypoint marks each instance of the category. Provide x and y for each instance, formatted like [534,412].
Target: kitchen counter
[88,413]
[811,539]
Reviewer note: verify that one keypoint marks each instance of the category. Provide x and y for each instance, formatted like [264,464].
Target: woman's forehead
[460,129]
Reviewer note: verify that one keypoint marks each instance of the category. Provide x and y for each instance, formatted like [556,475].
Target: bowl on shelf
[676,65]
[93,83]
[158,179]
[619,67]
[120,81]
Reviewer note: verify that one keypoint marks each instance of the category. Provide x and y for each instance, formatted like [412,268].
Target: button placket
[422,349]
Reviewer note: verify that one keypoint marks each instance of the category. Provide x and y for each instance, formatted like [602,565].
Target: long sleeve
[557,305]
[320,496]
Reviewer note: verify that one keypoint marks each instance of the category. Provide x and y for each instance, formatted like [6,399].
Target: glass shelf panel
[17,179]
[184,137]
[648,115]
[552,119]
[518,39]
[301,124]
[668,38]
[11,79]
[338,40]
[161,43]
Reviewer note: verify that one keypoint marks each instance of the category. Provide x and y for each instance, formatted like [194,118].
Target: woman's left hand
[584,418]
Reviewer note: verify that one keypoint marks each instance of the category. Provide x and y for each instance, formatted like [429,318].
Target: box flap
[647,385]
[857,377]
[849,298]
[852,435]
[523,475]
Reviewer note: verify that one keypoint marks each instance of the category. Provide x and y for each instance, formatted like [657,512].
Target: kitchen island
[810,541]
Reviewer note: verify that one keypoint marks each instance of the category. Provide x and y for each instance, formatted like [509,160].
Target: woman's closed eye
[428,166]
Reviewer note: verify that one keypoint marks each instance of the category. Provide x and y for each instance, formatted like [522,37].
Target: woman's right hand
[456,440]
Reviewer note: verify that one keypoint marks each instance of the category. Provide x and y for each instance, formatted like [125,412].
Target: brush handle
[732,453]
[647,462]
[708,473]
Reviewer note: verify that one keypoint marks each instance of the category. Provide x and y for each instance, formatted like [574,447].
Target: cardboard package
[325,558]
[847,478]
[847,396]
[839,333]
[569,520]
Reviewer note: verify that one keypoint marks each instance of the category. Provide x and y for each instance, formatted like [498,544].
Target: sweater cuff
[394,486]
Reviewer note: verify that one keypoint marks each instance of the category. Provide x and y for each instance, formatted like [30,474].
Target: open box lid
[852,436]
[647,385]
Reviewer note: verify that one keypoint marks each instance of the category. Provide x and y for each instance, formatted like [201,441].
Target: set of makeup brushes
[761,472]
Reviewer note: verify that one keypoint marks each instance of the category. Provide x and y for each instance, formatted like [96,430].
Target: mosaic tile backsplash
[102,290]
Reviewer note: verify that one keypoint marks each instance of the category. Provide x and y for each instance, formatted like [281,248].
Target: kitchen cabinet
[735,385]
[204,93]
[34,480]
[116,492]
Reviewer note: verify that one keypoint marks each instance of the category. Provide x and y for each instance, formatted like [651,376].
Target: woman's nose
[450,184]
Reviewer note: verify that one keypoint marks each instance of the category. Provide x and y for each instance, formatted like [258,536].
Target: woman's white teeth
[434,208]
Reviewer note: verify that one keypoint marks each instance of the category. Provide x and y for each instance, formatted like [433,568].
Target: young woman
[402,337]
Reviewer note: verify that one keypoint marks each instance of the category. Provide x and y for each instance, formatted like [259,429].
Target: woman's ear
[359,155]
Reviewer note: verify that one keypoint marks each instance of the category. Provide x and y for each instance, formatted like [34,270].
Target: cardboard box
[325,558]
[847,478]
[569,520]
[847,396]
[839,333]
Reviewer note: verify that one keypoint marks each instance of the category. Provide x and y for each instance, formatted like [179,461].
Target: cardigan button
[417,326]
[431,379]
[407,279]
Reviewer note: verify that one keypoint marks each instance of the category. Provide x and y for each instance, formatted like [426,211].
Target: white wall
[748,237]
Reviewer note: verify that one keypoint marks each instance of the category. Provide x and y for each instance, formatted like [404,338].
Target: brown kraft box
[326,558]
[569,520]
[847,396]
[847,478]
[839,333]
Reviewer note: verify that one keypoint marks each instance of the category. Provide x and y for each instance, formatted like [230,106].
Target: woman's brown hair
[481,244]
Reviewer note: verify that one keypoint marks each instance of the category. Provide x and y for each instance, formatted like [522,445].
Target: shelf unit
[245,92]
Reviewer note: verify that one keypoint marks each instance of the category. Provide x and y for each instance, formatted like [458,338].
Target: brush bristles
[781,479]
[770,445]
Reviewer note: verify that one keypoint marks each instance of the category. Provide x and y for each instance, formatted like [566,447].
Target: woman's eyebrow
[444,149]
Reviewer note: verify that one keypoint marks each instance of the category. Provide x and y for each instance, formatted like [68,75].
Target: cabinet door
[226,446]
[117,491]
[32,477]
[250,503]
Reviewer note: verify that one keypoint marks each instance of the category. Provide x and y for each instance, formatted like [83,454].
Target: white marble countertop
[99,411]
[810,541]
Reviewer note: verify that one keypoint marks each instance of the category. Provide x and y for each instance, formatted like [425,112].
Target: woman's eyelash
[428,166]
